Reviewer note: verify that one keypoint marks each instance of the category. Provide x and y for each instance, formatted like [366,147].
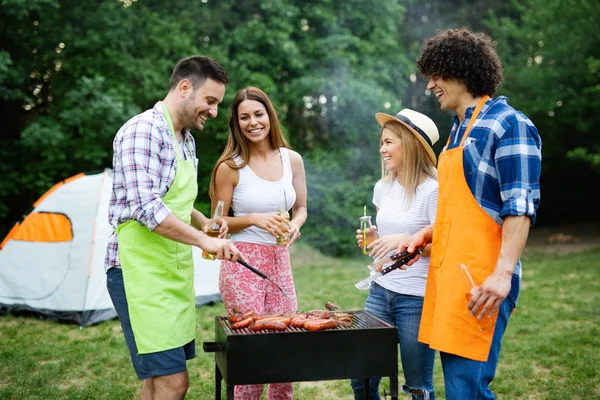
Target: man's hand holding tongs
[417,241]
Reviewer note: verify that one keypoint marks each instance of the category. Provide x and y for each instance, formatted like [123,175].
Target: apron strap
[172,129]
[472,121]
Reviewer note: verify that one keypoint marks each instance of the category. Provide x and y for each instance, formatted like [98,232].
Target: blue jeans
[404,312]
[469,379]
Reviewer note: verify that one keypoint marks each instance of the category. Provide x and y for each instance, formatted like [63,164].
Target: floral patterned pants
[241,288]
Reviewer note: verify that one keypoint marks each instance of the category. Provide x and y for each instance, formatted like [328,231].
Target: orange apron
[463,233]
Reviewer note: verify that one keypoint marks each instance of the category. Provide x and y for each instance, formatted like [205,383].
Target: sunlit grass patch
[550,351]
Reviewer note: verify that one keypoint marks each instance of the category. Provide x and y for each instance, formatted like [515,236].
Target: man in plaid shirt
[488,196]
[149,260]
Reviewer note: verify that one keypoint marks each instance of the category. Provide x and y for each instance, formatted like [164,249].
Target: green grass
[550,351]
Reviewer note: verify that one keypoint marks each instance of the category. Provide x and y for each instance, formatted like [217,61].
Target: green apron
[158,273]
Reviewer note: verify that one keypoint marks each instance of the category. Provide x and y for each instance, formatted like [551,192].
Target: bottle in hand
[214,227]
[283,240]
[369,233]
[485,322]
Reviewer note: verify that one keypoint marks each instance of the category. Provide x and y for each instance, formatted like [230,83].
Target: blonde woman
[406,201]
[255,165]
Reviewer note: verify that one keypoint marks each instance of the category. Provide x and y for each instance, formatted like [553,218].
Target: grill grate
[366,348]
[360,320]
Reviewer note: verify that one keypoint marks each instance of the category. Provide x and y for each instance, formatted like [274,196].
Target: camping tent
[52,262]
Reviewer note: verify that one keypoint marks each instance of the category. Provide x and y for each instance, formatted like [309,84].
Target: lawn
[551,348]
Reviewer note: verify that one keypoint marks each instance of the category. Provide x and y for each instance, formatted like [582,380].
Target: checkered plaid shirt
[144,164]
[502,160]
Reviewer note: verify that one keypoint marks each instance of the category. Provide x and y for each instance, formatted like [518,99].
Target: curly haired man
[489,192]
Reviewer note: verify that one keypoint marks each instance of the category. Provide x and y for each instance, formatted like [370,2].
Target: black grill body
[369,347]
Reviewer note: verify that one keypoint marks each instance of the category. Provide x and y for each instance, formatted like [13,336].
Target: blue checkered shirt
[502,160]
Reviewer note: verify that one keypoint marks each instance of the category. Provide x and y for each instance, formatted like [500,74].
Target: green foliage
[591,157]
[72,72]
[337,202]
[550,50]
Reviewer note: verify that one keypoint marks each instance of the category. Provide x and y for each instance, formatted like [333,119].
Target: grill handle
[213,347]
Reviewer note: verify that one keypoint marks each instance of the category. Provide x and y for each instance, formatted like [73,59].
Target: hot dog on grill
[243,323]
[320,324]
[280,324]
[265,316]
[237,317]
[298,322]
[319,314]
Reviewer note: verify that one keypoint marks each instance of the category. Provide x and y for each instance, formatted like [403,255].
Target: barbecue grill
[369,347]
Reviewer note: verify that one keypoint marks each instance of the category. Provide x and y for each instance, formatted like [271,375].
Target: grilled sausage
[293,315]
[298,322]
[235,318]
[345,319]
[319,314]
[239,316]
[317,325]
[331,307]
[265,316]
[313,319]
[274,318]
[243,323]
[344,322]
[269,324]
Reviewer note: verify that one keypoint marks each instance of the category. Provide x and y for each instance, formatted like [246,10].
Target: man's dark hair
[465,56]
[197,69]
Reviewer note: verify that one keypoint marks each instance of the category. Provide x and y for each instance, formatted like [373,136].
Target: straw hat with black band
[419,124]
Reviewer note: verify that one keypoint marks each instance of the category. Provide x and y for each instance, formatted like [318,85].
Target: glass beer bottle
[214,227]
[485,322]
[369,234]
[284,239]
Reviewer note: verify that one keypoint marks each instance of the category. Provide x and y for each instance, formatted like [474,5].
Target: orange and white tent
[52,262]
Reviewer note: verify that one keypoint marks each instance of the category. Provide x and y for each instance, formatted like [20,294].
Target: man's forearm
[175,229]
[199,221]
[514,236]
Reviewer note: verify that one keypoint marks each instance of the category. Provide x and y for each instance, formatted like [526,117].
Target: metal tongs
[262,275]
[376,265]
[401,259]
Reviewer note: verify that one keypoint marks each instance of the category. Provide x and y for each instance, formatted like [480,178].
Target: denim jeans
[404,312]
[469,379]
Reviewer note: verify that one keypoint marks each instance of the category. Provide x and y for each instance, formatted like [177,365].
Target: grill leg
[230,392]
[367,388]
[394,387]
[218,378]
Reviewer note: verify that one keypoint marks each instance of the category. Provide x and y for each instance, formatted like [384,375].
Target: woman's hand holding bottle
[274,224]
[386,244]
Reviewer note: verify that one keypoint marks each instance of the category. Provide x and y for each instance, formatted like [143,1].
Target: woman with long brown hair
[257,175]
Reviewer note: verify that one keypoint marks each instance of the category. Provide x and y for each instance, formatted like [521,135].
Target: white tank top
[253,194]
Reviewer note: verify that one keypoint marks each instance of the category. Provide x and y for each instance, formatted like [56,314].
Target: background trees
[72,72]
